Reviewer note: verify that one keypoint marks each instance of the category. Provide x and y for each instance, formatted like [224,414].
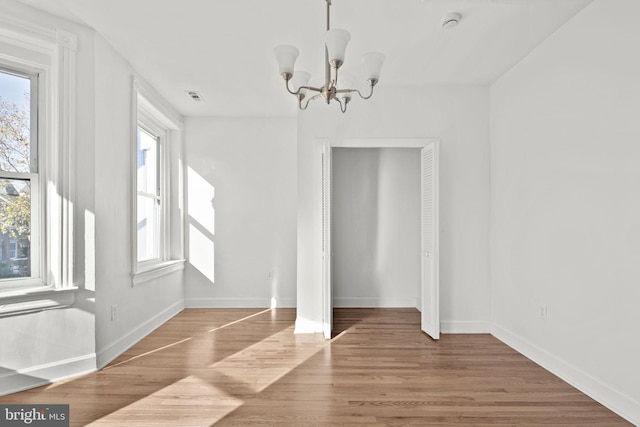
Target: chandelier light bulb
[346,82]
[286,56]
[336,41]
[372,62]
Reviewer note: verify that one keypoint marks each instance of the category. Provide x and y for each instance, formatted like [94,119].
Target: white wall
[40,347]
[48,345]
[565,204]
[375,215]
[241,212]
[459,117]
[148,305]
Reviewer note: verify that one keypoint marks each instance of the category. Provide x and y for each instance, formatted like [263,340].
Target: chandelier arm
[343,106]
[306,104]
[365,97]
[297,92]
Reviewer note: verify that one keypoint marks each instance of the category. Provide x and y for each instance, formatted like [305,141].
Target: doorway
[375,214]
[428,298]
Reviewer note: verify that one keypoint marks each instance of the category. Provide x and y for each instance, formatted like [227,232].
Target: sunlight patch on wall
[89,251]
[201,218]
[200,204]
[201,252]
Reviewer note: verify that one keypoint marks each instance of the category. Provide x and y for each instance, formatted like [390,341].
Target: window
[150,203]
[13,250]
[156,134]
[20,213]
[37,169]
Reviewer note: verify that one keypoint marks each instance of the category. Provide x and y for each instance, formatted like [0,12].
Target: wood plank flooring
[245,367]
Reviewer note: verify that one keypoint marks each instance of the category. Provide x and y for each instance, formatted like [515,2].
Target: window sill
[16,302]
[156,270]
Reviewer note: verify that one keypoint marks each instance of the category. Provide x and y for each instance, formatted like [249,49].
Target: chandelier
[336,41]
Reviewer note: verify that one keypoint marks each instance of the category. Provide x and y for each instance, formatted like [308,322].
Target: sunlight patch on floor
[240,320]
[148,353]
[167,406]
[265,362]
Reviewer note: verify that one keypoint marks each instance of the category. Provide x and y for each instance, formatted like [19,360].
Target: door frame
[326,146]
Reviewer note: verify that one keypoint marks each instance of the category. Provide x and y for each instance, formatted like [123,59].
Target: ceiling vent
[195,95]
[450,20]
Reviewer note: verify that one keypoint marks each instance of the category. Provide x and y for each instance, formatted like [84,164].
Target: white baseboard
[36,376]
[238,303]
[374,302]
[616,401]
[115,349]
[464,327]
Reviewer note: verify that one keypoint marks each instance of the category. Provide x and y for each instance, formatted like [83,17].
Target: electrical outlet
[270,275]
[543,312]
[114,312]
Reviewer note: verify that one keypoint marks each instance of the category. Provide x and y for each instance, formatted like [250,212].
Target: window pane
[15,228]
[148,228]
[15,123]
[147,162]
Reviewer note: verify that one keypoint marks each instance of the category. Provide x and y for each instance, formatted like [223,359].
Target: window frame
[150,113]
[149,125]
[51,53]
[38,214]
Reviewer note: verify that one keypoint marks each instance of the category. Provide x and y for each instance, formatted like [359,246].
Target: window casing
[43,267]
[154,135]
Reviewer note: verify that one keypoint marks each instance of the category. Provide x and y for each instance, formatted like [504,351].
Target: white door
[430,253]
[327,285]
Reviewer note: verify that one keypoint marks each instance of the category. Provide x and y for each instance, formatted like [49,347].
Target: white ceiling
[224,48]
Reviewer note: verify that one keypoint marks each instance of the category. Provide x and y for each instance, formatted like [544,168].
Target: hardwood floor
[245,367]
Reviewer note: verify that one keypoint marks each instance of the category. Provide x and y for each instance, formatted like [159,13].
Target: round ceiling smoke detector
[450,20]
